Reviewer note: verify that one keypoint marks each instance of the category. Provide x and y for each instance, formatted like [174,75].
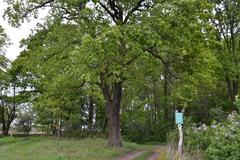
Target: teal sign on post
[179,118]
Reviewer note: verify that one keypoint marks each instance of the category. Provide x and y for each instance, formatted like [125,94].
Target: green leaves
[224,139]
[3,40]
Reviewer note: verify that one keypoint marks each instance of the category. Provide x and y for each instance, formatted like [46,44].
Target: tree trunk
[90,114]
[3,120]
[113,113]
[113,103]
[232,91]
[5,129]
[166,96]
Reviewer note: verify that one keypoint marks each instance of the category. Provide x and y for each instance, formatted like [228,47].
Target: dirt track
[135,154]
[154,156]
[131,155]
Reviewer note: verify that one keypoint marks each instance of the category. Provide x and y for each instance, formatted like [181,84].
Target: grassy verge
[162,153]
[48,148]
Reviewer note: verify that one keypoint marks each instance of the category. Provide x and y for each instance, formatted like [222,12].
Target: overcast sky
[16,34]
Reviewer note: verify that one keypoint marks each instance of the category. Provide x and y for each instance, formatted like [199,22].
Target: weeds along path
[131,155]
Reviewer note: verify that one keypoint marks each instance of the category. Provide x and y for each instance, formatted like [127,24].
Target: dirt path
[132,155]
[135,154]
[154,156]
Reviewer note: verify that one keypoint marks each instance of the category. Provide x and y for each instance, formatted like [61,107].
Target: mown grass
[48,148]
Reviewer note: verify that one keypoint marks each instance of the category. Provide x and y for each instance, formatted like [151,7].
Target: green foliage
[3,59]
[218,141]
[25,119]
[3,42]
[196,137]
[224,140]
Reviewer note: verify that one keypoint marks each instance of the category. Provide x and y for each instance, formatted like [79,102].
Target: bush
[225,140]
[221,141]
[196,140]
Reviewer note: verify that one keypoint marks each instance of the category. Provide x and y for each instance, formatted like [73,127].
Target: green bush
[225,140]
[220,141]
[195,138]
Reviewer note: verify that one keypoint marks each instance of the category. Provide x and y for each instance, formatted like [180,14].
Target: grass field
[48,148]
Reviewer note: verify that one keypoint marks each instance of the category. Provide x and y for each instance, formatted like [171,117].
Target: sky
[16,34]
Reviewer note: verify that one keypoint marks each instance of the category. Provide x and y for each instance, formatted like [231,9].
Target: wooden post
[180,143]
[179,122]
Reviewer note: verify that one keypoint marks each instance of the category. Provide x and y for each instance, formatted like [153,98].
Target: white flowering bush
[225,140]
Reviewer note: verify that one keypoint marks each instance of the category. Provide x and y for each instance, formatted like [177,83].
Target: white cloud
[17,34]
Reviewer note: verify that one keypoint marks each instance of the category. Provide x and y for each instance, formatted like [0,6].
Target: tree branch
[44,4]
[137,8]
[154,54]
[131,60]
[139,4]
[108,11]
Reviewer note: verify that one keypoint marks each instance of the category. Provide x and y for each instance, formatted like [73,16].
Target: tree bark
[166,91]
[114,135]
[113,103]
[5,122]
[5,129]
[233,88]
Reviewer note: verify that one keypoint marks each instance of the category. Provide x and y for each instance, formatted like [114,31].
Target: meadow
[49,148]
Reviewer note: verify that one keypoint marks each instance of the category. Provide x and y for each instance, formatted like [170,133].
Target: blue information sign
[179,118]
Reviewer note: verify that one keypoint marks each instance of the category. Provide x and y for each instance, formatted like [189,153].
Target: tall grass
[172,154]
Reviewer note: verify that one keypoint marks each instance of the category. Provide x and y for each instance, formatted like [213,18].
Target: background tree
[25,118]
[225,17]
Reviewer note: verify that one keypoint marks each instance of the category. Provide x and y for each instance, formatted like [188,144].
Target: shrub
[225,140]
[196,140]
[220,141]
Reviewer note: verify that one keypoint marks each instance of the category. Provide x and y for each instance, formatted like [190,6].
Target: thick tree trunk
[5,126]
[5,132]
[5,129]
[113,113]
[113,103]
